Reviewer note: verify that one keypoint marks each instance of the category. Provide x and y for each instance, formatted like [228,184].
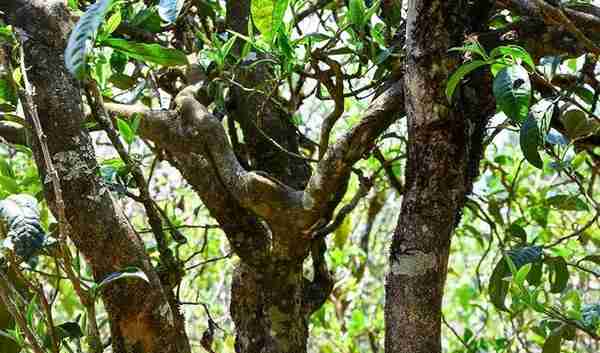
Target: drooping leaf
[125,131]
[516,231]
[168,10]
[498,286]
[559,273]
[129,272]
[553,341]
[83,34]
[459,74]
[154,53]
[534,277]
[530,141]
[577,124]
[356,12]
[567,203]
[20,217]
[512,89]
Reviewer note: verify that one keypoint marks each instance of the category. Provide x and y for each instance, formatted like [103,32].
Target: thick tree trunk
[148,323]
[444,150]
[268,309]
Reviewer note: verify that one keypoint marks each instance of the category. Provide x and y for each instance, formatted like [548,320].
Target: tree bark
[444,150]
[149,323]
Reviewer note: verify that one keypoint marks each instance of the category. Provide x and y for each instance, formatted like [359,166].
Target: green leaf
[9,184]
[553,341]
[262,16]
[129,272]
[577,124]
[514,51]
[125,131]
[81,37]
[530,141]
[356,12]
[498,285]
[154,53]
[512,90]
[472,46]
[278,14]
[567,203]
[516,231]
[522,274]
[534,277]
[459,74]
[372,11]
[168,10]
[69,330]
[20,216]
[112,23]
[8,96]
[559,273]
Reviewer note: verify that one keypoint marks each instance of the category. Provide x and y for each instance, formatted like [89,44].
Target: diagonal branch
[334,168]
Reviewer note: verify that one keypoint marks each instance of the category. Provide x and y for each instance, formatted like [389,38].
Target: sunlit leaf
[567,203]
[512,90]
[154,53]
[168,10]
[82,36]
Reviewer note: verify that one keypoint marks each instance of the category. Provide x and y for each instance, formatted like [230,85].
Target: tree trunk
[148,323]
[444,150]
[267,308]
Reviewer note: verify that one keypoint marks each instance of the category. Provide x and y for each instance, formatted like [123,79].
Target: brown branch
[334,168]
[192,129]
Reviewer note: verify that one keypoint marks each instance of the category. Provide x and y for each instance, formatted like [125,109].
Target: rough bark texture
[148,323]
[268,223]
[444,150]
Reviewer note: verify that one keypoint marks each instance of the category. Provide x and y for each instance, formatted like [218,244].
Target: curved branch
[192,129]
[334,169]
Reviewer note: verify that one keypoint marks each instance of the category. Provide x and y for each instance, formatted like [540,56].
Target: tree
[217,89]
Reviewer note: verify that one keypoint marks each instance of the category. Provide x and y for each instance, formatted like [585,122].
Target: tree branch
[334,169]
[192,129]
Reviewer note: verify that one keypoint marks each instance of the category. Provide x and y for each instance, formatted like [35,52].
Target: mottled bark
[143,324]
[444,149]
[271,300]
